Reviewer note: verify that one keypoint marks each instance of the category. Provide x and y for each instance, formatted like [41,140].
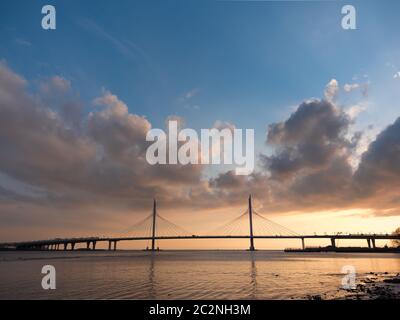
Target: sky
[76,103]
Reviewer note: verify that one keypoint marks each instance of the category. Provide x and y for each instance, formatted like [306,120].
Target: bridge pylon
[251,225]
[153,240]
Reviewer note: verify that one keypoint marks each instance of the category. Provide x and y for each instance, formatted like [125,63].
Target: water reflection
[253,276]
[183,275]
[152,291]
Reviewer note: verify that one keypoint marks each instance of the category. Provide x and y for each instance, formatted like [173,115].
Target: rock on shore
[370,287]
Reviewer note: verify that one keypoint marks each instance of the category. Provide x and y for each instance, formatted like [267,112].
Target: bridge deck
[117,239]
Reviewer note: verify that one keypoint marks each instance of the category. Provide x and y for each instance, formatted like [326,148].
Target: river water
[184,274]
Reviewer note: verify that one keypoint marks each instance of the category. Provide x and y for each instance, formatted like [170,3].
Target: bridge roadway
[55,244]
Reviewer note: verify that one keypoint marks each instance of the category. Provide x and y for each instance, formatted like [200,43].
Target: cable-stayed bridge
[249,225]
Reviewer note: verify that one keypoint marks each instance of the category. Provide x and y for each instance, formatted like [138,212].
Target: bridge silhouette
[249,225]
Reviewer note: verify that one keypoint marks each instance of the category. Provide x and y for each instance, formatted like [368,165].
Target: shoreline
[345,249]
[372,286]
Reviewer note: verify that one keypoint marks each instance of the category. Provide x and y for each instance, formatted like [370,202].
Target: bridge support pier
[112,244]
[72,246]
[65,246]
[373,243]
[303,245]
[333,242]
[94,245]
[369,243]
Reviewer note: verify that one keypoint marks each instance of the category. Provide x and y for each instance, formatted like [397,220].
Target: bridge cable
[177,230]
[229,226]
[281,229]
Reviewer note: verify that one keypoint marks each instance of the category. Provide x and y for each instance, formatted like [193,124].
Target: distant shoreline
[345,249]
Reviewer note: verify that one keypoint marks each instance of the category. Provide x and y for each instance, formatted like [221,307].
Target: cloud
[55,85]
[119,45]
[331,90]
[101,163]
[230,189]
[350,87]
[364,87]
[319,162]
[312,136]
[379,168]
[186,98]
[354,110]
[190,94]
[125,47]
[22,42]
[57,171]
[36,146]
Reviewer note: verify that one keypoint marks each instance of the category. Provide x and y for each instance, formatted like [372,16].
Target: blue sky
[244,62]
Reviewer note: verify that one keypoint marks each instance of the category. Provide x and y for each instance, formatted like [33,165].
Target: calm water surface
[183,274]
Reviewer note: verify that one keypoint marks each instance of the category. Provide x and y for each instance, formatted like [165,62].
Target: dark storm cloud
[311,138]
[327,188]
[232,189]
[379,169]
[380,165]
